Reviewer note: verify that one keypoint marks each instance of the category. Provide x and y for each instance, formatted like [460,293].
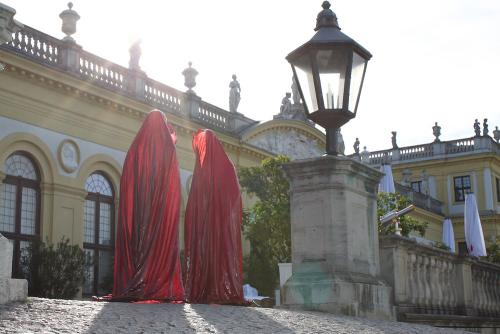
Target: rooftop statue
[286,106]
[356,146]
[135,55]
[190,77]
[234,94]
[436,131]
[485,127]
[393,139]
[477,129]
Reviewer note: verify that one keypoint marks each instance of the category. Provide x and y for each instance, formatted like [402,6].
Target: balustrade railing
[427,280]
[486,289]
[379,157]
[415,152]
[70,58]
[214,116]
[162,96]
[35,44]
[102,72]
[460,145]
[420,200]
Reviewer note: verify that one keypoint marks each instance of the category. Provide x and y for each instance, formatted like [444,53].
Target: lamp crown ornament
[326,18]
[329,70]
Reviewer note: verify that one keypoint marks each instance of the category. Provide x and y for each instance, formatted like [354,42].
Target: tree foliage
[493,253]
[267,224]
[53,272]
[389,201]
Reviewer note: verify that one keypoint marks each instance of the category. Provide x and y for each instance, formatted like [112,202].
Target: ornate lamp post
[329,70]
[335,253]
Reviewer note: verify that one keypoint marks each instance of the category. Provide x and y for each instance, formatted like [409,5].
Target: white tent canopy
[472,226]
[448,235]
[387,183]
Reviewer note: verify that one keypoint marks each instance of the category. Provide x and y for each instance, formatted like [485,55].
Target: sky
[433,60]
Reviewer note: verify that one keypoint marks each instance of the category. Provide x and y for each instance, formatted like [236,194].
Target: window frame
[16,237]
[98,198]
[462,188]
[419,186]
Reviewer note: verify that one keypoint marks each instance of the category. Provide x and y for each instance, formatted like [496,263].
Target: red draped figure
[147,263]
[212,228]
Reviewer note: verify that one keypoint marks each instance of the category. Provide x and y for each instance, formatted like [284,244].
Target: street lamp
[329,70]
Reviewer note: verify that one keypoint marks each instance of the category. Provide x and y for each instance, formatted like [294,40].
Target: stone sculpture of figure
[393,139]
[340,143]
[477,129]
[365,155]
[135,56]
[496,134]
[356,146]
[436,130]
[485,127]
[295,92]
[234,94]
[286,106]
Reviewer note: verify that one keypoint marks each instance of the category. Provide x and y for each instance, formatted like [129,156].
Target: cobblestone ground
[62,316]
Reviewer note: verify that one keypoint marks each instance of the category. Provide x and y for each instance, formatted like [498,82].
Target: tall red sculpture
[212,228]
[147,263]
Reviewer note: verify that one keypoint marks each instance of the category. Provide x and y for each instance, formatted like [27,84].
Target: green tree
[389,201]
[493,253]
[53,272]
[267,224]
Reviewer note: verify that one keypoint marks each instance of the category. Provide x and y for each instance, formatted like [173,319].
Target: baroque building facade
[67,118]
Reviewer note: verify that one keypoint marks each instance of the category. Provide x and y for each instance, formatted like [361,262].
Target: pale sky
[433,60]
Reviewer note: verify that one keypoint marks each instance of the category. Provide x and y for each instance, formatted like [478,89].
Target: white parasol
[472,226]
[387,183]
[448,235]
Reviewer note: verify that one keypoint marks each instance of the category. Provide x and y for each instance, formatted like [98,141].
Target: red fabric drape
[212,228]
[147,263]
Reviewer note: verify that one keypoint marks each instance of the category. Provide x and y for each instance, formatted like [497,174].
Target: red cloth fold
[147,262]
[212,227]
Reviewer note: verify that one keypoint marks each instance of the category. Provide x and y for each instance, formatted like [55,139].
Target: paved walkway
[63,316]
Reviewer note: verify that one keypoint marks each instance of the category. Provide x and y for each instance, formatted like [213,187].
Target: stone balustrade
[434,150]
[68,57]
[432,282]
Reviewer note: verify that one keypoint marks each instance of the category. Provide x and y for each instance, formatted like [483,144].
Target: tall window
[462,187]
[98,241]
[20,205]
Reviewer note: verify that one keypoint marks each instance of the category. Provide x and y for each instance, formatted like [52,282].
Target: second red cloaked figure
[147,262]
[212,228]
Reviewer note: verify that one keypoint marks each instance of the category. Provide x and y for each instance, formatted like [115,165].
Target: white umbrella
[386,185]
[448,236]
[473,230]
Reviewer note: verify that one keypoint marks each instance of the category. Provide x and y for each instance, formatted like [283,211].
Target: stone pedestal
[10,289]
[335,239]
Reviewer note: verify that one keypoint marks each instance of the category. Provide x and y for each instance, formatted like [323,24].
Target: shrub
[53,272]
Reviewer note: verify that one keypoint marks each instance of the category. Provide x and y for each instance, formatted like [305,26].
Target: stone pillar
[70,56]
[190,105]
[335,251]
[10,289]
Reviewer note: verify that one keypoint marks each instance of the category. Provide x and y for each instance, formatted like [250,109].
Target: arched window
[20,205]
[99,234]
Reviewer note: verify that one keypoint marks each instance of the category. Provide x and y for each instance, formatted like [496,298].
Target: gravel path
[62,316]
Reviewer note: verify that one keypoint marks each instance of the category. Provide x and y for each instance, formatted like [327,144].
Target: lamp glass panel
[357,72]
[303,69]
[332,66]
